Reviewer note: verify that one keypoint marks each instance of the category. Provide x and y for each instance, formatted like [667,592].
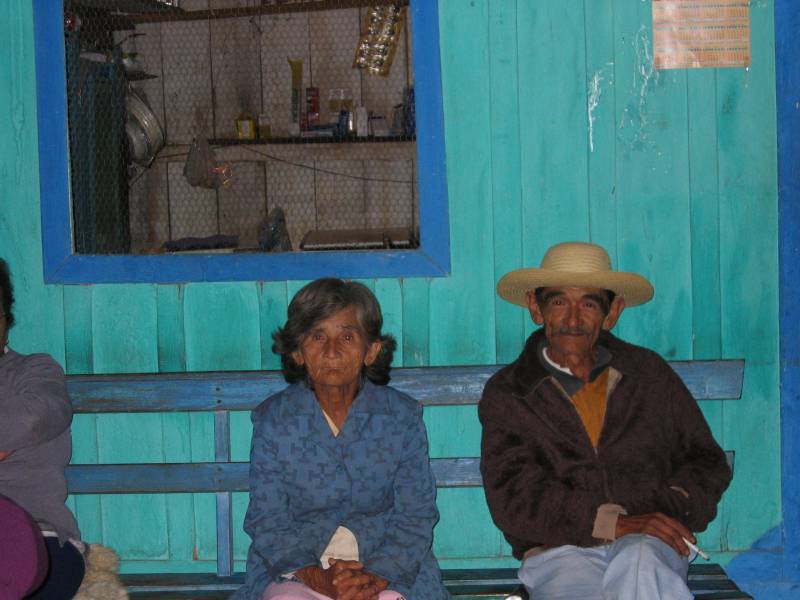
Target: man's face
[573,318]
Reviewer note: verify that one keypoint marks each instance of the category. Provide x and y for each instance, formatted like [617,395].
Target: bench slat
[459,582]
[164,478]
[432,386]
[158,478]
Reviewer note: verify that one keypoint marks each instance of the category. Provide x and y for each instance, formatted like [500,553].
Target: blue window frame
[62,265]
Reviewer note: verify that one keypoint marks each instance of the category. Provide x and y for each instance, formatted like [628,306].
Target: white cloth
[343,544]
[634,567]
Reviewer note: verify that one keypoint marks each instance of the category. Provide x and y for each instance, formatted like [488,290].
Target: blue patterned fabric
[374,479]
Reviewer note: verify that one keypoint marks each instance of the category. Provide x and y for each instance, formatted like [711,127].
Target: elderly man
[597,462]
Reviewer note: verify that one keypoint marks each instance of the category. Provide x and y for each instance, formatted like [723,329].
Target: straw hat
[575,264]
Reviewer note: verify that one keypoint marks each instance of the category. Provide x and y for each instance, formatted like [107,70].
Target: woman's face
[335,350]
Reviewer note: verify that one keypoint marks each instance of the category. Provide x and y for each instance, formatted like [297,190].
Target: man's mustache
[572,331]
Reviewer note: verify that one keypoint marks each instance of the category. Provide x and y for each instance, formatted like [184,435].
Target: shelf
[139,7]
[139,76]
[312,140]
[265,9]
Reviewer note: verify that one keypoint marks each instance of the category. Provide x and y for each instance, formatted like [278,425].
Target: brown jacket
[544,482]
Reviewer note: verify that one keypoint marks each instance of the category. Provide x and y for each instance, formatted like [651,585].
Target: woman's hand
[352,582]
[344,580]
[318,579]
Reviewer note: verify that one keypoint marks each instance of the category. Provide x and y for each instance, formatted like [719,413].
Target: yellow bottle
[245,127]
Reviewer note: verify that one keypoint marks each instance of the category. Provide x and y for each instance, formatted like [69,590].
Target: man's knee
[642,566]
[648,550]
[564,573]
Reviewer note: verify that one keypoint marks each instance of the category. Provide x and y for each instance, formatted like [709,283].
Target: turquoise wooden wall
[557,128]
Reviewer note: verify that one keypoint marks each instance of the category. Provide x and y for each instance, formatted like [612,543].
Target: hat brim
[514,286]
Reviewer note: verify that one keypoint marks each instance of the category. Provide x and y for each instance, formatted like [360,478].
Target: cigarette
[696,549]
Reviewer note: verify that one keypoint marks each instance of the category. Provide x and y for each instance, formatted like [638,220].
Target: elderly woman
[342,499]
[35,445]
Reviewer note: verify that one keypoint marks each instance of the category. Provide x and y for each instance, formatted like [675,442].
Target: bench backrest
[222,393]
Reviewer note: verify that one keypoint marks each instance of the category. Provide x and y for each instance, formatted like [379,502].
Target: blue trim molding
[61,265]
[763,571]
[787,47]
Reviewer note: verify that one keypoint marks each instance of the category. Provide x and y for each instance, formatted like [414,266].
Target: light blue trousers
[634,567]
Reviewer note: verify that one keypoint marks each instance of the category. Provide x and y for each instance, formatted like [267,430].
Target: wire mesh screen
[237,125]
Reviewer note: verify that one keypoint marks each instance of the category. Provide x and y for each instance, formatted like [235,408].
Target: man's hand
[667,529]
[5,455]
[353,583]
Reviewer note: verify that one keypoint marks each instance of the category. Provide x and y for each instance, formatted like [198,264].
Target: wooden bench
[222,393]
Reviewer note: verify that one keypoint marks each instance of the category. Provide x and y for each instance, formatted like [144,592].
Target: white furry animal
[101,581]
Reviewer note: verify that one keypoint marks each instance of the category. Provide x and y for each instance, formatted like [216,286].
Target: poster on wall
[694,34]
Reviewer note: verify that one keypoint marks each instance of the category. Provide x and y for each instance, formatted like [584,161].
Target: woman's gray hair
[324,298]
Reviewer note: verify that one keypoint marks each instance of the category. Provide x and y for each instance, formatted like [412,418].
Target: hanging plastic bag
[201,168]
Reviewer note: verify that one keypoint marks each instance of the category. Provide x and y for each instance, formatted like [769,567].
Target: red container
[312,106]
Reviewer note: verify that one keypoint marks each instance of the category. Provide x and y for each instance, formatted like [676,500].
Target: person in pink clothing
[23,557]
[292,590]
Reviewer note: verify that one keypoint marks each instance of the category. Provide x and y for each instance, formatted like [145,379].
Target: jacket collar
[528,373]
[369,400]
[304,407]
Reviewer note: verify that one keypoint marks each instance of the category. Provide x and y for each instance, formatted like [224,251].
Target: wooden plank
[180,507]
[215,477]
[180,582]
[251,11]
[432,386]
[390,296]
[157,478]
[459,582]
[464,302]
[171,344]
[416,322]
[553,127]
[705,237]
[601,91]
[272,308]
[652,185]
[124,336]
[222,453]
[747,156]
[124,328]
[506,171]
[227,476]
[77,329]
[222,326]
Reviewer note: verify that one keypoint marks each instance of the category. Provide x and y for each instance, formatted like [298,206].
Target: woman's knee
[290,590]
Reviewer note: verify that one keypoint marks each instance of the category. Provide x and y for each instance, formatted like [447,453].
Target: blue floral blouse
[374,478]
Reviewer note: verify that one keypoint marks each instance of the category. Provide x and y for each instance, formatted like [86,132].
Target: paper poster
[692,34]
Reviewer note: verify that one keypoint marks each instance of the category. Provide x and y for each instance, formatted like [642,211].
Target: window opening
[283,126]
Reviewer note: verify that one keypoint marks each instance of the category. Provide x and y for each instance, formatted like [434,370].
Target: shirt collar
[564,376]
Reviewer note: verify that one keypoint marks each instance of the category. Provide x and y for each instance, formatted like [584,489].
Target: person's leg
[65,574]
[564,573]
[23,558]
[291,590]
[642,567]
